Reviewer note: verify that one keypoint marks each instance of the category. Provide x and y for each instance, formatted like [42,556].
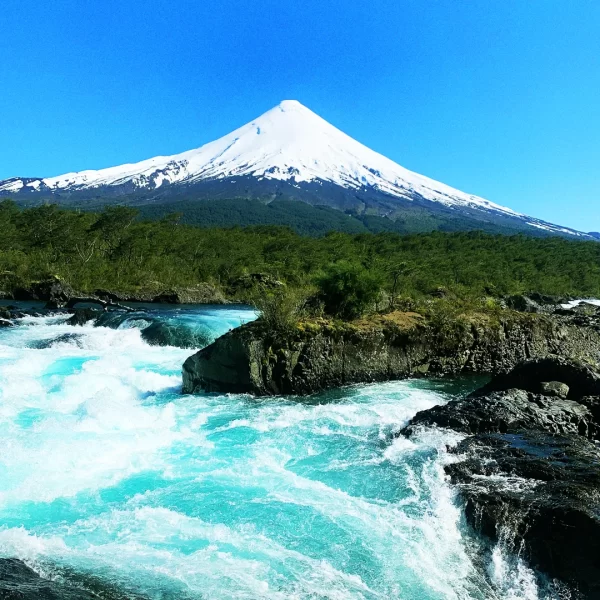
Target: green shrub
[348,290]
[280,309]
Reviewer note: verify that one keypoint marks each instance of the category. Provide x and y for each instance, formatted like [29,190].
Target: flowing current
[107,470]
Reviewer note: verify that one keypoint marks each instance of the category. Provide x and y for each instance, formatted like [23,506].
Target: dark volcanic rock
[5,317]
[52,290]
[586,308]
[582,378]
[582,315]
[529,472]
[19,582]
[203,293]
[522,304]
[593,404]
[511,411]
[160,333]
[118,297]
[53,304]
[547,300]
[81,316]
[554,388]
[321,355]
[537,490]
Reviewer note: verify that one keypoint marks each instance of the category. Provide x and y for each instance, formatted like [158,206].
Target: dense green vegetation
[301,217]
[113,249]
[348,289]
[306,219]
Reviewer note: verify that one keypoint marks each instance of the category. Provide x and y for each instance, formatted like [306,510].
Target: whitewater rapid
[106,469]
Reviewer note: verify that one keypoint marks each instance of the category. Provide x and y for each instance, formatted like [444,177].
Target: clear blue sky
[500,98]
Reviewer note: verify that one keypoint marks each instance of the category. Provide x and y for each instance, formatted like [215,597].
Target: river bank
[318,354]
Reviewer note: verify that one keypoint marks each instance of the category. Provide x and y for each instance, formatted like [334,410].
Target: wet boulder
[528,469]
[554,388]
[582,379]
[20,582]
[160,333]
[81,316]
[5,317]
[539,494]
[511,411]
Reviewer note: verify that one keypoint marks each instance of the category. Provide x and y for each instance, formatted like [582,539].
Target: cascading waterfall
[106,469]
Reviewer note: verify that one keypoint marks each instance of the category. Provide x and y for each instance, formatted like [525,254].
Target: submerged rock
[18,581]
[160,333]
[76,339]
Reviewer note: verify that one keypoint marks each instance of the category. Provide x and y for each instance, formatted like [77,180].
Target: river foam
[107,469]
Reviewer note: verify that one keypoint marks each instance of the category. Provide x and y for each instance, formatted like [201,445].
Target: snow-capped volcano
[289,150]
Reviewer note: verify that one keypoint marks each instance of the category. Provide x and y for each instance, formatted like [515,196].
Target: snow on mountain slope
[288,143]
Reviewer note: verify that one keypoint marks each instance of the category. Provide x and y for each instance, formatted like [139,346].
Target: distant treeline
[114,249]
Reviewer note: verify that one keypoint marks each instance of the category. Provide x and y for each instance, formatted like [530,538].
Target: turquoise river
[108,472]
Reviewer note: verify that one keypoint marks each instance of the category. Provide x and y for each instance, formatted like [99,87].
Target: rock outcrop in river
[320,354]
[19,582]
[529,468]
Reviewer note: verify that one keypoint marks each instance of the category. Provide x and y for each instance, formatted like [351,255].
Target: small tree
[348,289]
[281,308]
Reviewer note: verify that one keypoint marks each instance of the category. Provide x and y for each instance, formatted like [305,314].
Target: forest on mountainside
[302,217]
[114,249]
[316,220]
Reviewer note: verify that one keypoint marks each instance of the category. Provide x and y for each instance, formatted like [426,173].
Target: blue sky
[500,98]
